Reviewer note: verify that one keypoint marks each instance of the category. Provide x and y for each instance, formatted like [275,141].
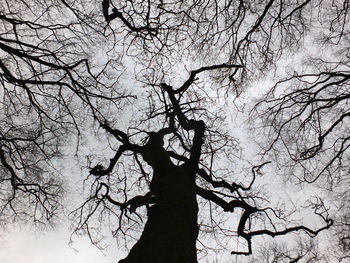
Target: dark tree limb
[250,210]
[98,170]
[194,73]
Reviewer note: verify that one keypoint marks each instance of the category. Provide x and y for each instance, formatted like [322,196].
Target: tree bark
[171,230]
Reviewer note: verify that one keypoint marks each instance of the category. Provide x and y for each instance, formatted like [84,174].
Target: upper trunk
[171,230]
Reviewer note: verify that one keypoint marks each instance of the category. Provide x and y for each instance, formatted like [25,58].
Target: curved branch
[194,73]
[98,170]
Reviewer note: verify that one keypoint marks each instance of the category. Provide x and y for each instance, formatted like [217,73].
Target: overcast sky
[53,247]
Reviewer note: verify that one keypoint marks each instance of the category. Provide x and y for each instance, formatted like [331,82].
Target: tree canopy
[151,99]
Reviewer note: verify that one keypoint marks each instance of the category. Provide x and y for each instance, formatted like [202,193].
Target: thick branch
[98,170]
[227,206]
[123,138]
[233,186]
[194,73]
[9,168]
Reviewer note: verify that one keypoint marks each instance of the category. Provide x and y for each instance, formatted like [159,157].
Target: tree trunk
[171,230]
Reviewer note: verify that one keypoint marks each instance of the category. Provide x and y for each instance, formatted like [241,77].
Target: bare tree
[46,80]
[174,162]
[307,119]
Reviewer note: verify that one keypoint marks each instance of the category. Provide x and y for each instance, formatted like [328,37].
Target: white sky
[53,247]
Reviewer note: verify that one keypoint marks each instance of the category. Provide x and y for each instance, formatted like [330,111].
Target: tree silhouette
[70,67]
